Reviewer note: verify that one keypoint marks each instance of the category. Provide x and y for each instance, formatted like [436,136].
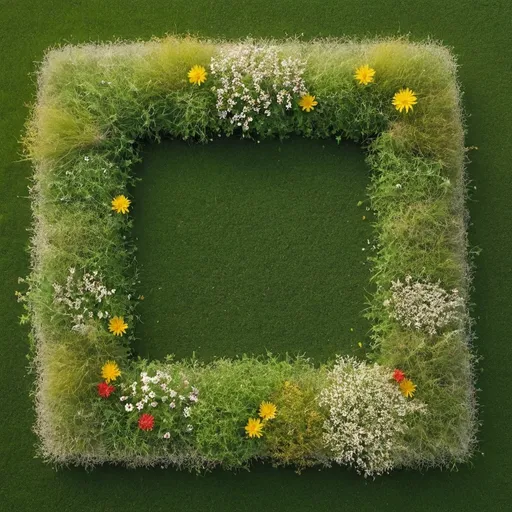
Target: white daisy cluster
[424,306]
[366,416]
[162,390]
[251,79]
[81,297]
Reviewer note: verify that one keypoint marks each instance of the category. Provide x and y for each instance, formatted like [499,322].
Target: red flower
[146,422]
[398,375]
[105,390]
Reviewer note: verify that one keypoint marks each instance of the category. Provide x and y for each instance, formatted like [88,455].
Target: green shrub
[95,105]
[295,435]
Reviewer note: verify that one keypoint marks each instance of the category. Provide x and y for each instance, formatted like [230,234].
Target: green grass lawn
[247,247]
[480,34]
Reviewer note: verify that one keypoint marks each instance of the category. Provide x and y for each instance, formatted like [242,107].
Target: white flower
[145,388]
[129,407]
[172,405]
[186,412]
[139,405]
[86,158]
[164,398]
[181,397]
[192,397]
[424,306]
[123,398]
[152,394]
[365,422]
[189,428]
[252,78]
[172,393]
[167,435]
[154,404]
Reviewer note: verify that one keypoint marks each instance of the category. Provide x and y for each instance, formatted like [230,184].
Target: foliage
[252,83]
[367,416]
[424,306]
[295,435]
[97,102]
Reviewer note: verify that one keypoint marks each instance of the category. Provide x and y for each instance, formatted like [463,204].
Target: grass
[247,247]
[116,94]
[479,33]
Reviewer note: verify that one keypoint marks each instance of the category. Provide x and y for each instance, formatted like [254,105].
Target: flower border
[56,140]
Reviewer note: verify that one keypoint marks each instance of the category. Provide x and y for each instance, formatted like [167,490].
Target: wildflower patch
[411,404]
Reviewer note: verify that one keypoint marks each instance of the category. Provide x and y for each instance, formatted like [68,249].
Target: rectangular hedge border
[96,103]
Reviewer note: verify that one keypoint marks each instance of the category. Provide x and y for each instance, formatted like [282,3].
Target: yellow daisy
[267,410]
[110,371]
[404,98]
[308,103]
[407,387]
[197,75]
[120,204]
[117,325]
[364,74]
[254,428]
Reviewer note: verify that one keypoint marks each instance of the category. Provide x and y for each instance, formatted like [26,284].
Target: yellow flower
[197,75]
[404,98]
[308,103]
[407,387]
[364,74]
[267,411]
[120,204]
[110,371]
[117,326]
[254,428]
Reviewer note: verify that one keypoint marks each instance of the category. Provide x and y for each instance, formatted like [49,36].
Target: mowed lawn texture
[480,35]
[248,247]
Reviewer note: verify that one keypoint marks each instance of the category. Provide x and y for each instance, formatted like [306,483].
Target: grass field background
[247,247]
[479,31]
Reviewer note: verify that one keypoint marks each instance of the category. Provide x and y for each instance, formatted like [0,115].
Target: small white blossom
[154,404]
[366,415]
[167,435]
[252,78]
[172,405]
[424,306]
[128,407]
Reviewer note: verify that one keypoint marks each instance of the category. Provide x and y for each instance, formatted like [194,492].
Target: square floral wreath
[411,403]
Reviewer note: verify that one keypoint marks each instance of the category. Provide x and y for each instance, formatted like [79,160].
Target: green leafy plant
[294,437]
[96,104]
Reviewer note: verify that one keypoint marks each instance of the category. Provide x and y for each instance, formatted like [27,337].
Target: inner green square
[245,247]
